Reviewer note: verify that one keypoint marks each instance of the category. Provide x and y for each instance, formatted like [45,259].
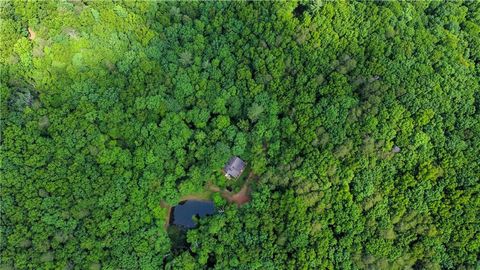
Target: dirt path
[31,34]
[213,188]
[241,197]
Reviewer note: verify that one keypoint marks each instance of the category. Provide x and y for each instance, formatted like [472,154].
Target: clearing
[240,198]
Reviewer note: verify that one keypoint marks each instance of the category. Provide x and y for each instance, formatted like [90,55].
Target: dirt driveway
[241,197]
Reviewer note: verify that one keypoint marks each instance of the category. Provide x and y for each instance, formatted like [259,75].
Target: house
[234,167]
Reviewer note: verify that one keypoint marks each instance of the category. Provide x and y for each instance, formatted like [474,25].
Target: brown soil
[31,34]
[242,197]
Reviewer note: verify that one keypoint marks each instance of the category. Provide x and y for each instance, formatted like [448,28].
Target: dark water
[183,213]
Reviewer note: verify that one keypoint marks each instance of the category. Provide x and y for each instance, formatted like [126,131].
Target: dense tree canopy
[360,121]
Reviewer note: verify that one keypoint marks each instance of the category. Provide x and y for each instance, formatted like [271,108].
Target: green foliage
[359,122]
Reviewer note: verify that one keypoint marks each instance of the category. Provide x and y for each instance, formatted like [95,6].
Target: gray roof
[234,167]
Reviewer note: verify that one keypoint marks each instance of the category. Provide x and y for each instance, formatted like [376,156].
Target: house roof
[234,167]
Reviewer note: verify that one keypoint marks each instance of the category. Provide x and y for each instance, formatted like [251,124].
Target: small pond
[182,214]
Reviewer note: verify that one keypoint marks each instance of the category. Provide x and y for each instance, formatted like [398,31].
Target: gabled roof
[234,167]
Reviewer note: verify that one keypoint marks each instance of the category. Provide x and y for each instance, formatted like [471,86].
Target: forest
[359,119]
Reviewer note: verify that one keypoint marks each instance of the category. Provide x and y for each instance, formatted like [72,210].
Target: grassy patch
[200,196]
